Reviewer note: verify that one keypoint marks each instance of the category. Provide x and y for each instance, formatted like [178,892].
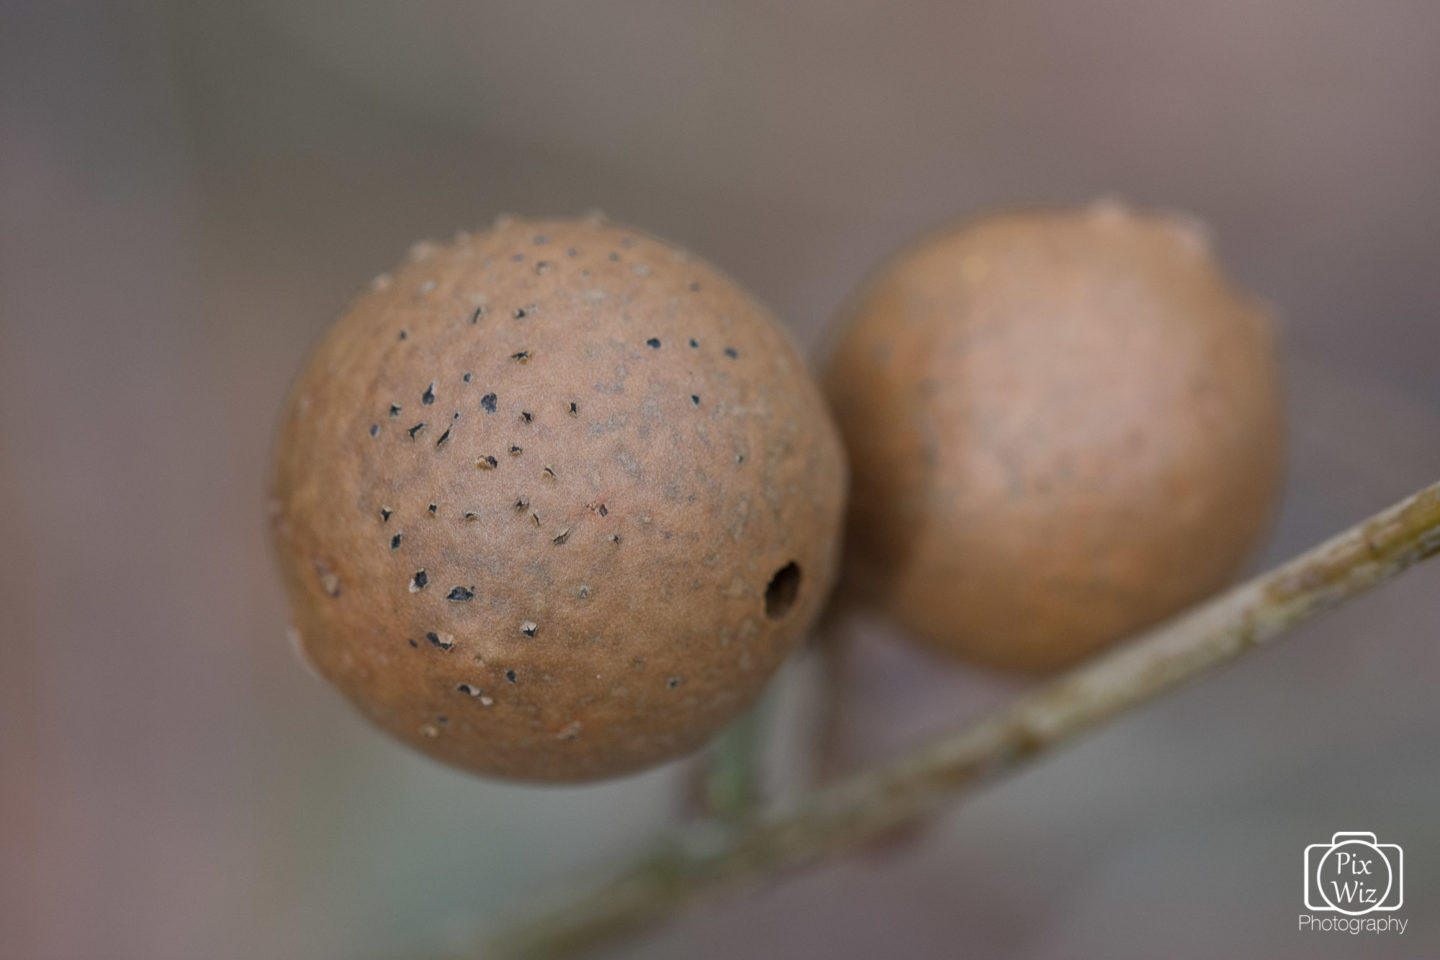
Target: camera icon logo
[1354,875]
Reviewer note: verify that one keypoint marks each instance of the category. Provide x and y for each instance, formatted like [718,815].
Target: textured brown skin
[643,647]
[1064,426]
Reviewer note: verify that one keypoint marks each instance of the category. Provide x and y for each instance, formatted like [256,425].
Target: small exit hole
[782,590]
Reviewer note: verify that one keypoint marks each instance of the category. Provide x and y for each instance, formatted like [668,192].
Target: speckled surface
[1065,425]
[555,500]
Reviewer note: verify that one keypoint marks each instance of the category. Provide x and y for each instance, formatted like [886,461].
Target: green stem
[732,771]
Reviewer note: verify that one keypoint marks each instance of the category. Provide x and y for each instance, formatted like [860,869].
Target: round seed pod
[553,502]
[1063,426]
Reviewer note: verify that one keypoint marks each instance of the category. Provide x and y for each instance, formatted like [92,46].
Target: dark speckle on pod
[622,539]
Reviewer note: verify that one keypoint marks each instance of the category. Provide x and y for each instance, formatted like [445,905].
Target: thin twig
[730,772]
[833,645]
[916,784]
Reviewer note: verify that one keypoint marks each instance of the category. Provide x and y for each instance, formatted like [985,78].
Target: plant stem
[917,783]
[835,653]
[731,771]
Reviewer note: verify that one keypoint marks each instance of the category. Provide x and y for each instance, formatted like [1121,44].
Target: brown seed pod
[1063,427]
[555,501]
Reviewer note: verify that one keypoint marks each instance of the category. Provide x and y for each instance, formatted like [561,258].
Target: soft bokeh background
[188,193]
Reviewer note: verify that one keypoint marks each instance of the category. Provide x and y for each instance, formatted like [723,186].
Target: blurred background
[190,191]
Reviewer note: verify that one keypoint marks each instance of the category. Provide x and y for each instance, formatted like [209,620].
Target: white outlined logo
[1354,875]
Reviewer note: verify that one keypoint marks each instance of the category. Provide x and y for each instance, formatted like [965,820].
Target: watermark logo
[1351,878]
